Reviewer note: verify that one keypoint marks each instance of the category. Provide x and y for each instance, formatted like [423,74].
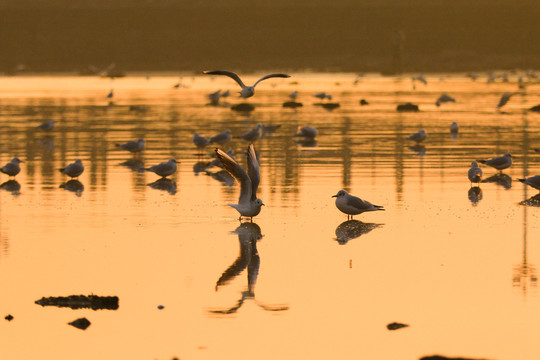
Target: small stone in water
[161,307]
[9,317]
[81,323]
[395,326]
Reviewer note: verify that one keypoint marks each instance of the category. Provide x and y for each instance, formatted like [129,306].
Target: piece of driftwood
[93,302]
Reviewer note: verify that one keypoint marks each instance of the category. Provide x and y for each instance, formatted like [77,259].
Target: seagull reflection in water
[134,164]
[248,235]
[11,186]
[351,229]
[74,186]
[475,195]
[500,179]
[222,176]
[420,150]
[164,184]
[533,201]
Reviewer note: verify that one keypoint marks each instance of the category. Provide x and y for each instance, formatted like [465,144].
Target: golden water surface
[457,265]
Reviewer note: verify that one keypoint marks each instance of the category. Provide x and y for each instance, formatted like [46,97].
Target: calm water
[459,267]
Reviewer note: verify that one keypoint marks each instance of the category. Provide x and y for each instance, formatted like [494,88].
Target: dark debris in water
[243,107]
[9,317]
[439,357]
[81,323]
[93,302]
[407,107]
[396,326]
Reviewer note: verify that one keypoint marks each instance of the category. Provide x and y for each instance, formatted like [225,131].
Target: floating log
[93,302]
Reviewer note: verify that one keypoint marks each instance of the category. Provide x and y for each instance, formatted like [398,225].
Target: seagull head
[340,193]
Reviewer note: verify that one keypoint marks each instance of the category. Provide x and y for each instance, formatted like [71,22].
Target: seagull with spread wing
[248,203]
[247,91]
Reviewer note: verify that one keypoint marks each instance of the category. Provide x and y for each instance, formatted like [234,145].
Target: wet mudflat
[454,263]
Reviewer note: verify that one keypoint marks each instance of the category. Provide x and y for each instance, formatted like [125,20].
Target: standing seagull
[132,146]
[221,138]
[475,173]
[248,203]
[253,134]
[247,91]
[533,181]
[73,170]
[164,169]
[500,162]
[46,125]
[12,168]
[352,205]
[444,98]
[418,137]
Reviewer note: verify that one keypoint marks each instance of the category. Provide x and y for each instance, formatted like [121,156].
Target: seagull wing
[271,76]
[253,171]
[498,161]
[238,173]
[226,73]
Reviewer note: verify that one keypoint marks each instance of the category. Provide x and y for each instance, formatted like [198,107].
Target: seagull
[533,181]
[247,91]
[200,141]
[46,125]
[500,162]
[444,98]
[420,78]
[110,94]
[352,205]
[253,134]
[307,132]
[454,128]
[214,97]
[164,169]
[475,173]
[248,203]
[221,138]
[73,170]
[293,95]
[418,137]
[132,146]
[504,99]
[12,168]
[323,95]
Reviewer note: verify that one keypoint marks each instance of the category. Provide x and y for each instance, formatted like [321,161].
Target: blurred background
[382,36]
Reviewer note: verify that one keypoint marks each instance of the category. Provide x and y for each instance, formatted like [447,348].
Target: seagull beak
[334,195]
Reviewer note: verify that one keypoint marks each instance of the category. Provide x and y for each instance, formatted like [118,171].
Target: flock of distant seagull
[248,204]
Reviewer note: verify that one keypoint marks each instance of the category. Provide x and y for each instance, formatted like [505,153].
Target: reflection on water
[532,201]
[164,184]
[475,195]
[500,179]
[74,186]
[11,186]
[248,235]
[351,229]
[136,165]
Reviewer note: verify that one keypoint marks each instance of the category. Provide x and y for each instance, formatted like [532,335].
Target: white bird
[132,146]
[418,136]
[504,99]
[248,203]
[200,141]
[221,138]
[253,134]
[500,162]
[12,168]
[352,205]
[247,91]
[444,98]
[164,169]
[454,128]
[307,132]
[533,181]
[73,170]
[46,125]
[475,173]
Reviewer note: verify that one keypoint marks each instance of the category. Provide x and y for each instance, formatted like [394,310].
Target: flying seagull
[247,91]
